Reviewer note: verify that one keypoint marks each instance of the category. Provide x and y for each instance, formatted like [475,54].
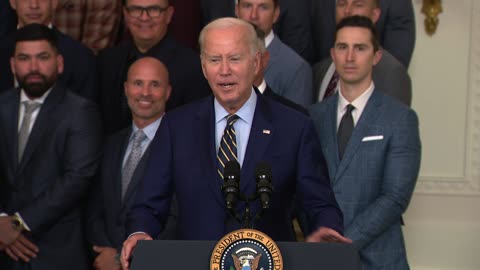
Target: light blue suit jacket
[288,74]
[374,181]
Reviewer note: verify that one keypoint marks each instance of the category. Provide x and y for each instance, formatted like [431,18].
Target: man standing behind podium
[185,153]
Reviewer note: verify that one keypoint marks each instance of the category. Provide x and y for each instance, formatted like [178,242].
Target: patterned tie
[24,132]
[345,130]
[132,160]
[228,145]
[332,85]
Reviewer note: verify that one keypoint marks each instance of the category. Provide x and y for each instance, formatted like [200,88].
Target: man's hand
[327,235]
[105,259]
[7,233]
[22,249]
[129,245]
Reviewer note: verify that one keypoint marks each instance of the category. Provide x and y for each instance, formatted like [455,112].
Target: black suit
[8,19]
[107,212]
[79,73]
[48,185]
[184,69]
[269,93]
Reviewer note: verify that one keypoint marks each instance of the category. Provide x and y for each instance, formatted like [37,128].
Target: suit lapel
[329,141]
[46,120]
[116,179]
[10,114]
[369,116]
[261,133]
[206,118]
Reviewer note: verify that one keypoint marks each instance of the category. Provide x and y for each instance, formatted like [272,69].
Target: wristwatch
[17,223]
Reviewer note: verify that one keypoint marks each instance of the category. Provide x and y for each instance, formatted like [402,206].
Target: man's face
[345,8]
[261,13]
[147,90]
[354,57]
[34,11]
[36,66]
[147,28]
[229,65]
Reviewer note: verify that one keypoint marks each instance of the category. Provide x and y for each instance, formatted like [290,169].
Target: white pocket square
[372,138]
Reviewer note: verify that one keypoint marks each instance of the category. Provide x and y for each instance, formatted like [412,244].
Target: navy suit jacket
[79,74]
[185,148]
[48,185]
[396,28]
[374,180]
[185,73]
[107,211]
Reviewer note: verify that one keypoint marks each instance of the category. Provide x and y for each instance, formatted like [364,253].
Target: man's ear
[377,56]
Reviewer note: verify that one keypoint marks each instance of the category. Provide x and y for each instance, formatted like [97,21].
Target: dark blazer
[183,64]
[374,181]
[79,73]
[48,185]
[270,94]
[279,135]
[107,212]
[389,76]
[8,19]
[396,28]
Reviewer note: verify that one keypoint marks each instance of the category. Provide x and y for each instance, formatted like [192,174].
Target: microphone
[263,173]
[231,178]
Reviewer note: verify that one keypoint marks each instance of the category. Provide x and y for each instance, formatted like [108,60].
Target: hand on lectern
[327,235]
[128,247]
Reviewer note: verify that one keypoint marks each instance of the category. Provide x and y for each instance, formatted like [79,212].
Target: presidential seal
[246,249]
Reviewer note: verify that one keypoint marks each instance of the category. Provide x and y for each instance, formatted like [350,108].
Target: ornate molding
[469,182]
[431,9]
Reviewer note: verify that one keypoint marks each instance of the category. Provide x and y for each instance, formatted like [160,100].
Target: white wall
[443,221]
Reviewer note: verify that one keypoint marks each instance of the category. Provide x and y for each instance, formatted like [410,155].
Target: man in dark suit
[50,139]
[148,23]
[147,89]
[372,146]
[8,19]
[79,74]
[264,131]
[396,26]
[388,74]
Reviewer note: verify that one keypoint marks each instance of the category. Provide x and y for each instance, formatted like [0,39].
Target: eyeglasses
[152,11]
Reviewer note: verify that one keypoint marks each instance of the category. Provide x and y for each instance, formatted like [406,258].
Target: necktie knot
[231,119]
[349,108]
[138,137]
[30,106]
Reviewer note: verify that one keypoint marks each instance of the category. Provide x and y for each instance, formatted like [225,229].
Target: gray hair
[228,22]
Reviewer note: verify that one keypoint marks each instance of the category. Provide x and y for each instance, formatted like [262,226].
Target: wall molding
[469,182]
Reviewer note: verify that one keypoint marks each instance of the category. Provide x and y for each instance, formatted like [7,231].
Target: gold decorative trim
[431,9]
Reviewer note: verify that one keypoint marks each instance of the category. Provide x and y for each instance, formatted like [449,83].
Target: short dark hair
[275,3]
[124,2]
[363,22]
[35,32]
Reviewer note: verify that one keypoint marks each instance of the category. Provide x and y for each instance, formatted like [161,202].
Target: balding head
[147,90]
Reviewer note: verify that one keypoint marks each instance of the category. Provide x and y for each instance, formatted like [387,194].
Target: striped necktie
[228,145]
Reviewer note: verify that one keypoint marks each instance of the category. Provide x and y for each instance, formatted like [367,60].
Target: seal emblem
[246,249]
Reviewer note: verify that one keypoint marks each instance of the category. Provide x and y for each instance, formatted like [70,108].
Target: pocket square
[372,138]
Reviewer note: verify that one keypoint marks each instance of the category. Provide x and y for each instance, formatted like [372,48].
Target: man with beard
[49,139]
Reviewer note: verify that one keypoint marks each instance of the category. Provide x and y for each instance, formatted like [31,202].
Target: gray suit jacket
[374,181]
[288,74]
[389,76]
[48,185]
[396,28]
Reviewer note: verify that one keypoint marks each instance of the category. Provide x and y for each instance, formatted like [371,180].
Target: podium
[179,254]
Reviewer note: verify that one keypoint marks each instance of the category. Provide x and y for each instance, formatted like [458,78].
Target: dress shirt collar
[269,38]
[359,103]
[261,88]
[149,130]
[245,113]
